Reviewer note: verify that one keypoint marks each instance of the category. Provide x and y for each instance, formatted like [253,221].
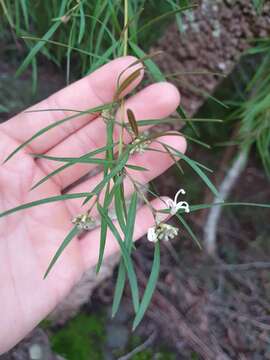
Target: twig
[244,267]
[210,228]
[139,348]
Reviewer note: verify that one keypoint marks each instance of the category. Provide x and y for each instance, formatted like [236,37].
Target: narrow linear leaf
[74,231]
[127,261]
[149,291]
[70,162]
[103,233]
[82,24]
[37,47]
[152,67]
[121,277]
[108,177]
[136,167]
[189,230]
[207,206]
[44,201]
[53,125]
[67,46]
[163,16]
[195,167]
[119,208]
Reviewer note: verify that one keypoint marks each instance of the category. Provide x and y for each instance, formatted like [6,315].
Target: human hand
[29,239]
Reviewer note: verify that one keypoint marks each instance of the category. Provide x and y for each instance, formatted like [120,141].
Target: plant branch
[210,228]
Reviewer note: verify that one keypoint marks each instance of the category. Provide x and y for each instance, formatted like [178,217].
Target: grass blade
[36,48]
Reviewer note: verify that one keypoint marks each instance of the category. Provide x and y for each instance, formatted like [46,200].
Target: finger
[89,245]
[155,101]
[155,162]
[91,91]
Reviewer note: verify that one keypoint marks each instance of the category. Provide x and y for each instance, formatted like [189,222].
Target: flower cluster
[163,231]
[84,222]
[140,144]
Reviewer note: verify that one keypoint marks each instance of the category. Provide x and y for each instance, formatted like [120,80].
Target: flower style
[161,231]
[84,222]
[174,206]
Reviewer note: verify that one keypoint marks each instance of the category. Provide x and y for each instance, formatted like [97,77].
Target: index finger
[93,90]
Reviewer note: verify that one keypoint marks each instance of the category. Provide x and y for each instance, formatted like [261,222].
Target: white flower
[161,231]
[151,234]
[175,206]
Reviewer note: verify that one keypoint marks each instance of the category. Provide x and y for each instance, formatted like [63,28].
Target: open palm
[29,239]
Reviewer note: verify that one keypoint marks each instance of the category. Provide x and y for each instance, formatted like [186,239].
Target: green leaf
[109,176]
[82,23]
[41,43]
[131,221]
[43,201]
[74,231]
[103,233]
[120,208]
[121,277]
[136,167]
[25,13]
[53,125]
[207,206]
[189,230]
[163,16]
[152,67]
[195,167]
[60,44]
[151,284]
[70,161]
[126,258]
[37,47]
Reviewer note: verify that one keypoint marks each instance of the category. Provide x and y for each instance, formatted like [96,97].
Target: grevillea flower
[161,231]
[84,222]
[175,206]
[140,144]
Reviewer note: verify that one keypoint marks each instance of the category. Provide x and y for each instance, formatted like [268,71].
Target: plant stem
[125,51]
[211,225]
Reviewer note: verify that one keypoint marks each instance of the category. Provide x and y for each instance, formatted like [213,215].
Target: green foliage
[258,4]
[254,113]
[84,34]
[81,338]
